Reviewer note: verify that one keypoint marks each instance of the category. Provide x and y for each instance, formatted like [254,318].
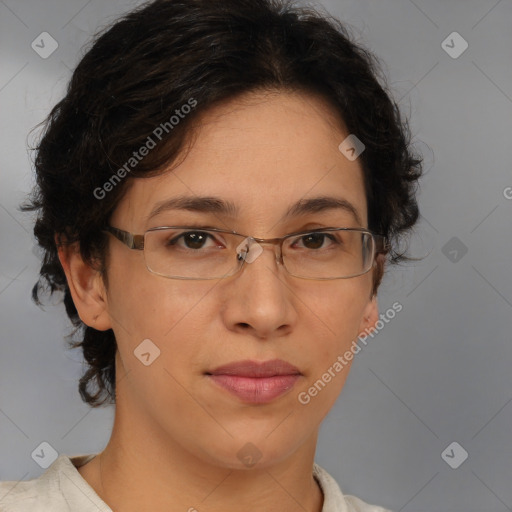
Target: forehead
[262,152]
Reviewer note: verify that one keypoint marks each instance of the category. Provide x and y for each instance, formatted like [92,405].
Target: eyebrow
[216,205]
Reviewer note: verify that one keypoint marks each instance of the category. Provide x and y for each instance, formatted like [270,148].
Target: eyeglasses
[184,252]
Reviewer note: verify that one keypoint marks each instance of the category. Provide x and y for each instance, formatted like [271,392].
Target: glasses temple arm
[382,244]
[129,239]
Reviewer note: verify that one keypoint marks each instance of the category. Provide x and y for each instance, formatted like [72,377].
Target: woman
[218,194]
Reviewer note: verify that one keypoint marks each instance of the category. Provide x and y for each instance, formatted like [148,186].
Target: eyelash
[182,236]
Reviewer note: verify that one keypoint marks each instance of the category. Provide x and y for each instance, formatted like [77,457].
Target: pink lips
[255,382]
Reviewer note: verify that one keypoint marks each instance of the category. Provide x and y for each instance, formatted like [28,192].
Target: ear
[370,316]
[86,286]
[371,311]
[378,271]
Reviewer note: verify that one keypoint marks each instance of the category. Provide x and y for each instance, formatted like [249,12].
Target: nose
[258,299]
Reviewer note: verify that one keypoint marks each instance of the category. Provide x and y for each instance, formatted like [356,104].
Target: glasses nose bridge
[276,242]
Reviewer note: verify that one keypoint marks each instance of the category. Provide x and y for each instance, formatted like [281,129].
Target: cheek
[170,313]
[132,299]
[143,305]
[331,318]
[336,308]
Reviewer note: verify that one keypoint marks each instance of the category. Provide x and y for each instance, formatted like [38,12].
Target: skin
[176,435]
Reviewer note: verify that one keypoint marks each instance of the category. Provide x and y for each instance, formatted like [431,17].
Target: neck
[136,480]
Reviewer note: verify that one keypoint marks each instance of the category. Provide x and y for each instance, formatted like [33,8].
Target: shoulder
[55,490]
[335,500]
[17,496]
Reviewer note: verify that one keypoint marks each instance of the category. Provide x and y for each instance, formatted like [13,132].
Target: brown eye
[192,239]
[316,240]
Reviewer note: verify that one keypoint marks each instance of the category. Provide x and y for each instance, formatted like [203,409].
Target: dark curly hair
[155,59]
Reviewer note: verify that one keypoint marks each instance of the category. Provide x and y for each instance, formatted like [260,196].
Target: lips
[255,369]
[256,383]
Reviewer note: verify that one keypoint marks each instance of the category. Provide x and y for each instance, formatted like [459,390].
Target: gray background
[437,373]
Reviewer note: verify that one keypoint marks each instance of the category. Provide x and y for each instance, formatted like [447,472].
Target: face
[263,153]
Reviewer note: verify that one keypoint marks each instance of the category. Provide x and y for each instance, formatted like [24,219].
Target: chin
[245,454]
